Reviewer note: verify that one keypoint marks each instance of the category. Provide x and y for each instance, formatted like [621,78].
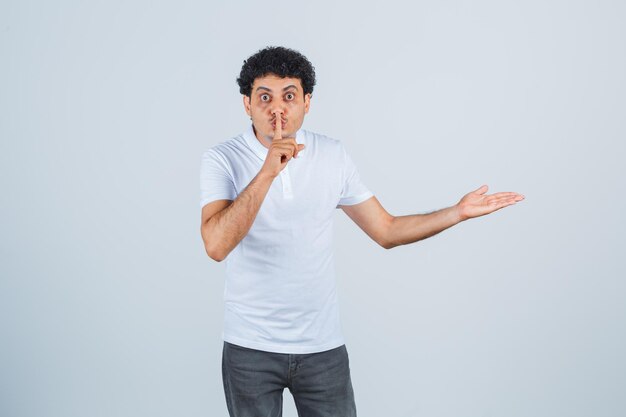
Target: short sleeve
[353,190]
[216,179]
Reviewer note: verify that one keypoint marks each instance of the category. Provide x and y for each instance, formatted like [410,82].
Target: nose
[278,111]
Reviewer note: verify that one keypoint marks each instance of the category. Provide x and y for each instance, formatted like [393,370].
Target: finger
[482,189]
[295,147]
[515,196]
[287,155]
[300,146]
[505,204]
[504,201]
[282,154]
[278,125]
[500,197]
[506,194]
[292,143]
[512,196]
[285,149]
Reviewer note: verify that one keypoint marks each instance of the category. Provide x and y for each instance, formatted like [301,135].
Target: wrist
[458,213]
[266,176]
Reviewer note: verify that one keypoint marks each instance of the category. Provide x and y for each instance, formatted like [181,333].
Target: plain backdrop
[109,306]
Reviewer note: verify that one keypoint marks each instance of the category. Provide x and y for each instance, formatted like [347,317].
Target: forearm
[227,228]
[408,229]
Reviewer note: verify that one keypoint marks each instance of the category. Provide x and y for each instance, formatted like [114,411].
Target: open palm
[478,203]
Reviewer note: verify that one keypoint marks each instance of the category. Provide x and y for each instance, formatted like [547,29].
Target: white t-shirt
[280,291]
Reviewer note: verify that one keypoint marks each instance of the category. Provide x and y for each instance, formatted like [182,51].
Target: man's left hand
[477,203]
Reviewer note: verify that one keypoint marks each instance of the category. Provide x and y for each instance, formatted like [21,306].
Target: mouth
[283,124]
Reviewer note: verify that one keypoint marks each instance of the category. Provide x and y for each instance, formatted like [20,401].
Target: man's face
[272,96]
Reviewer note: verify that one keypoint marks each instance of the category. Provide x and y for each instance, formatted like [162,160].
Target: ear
[246,104]
[307,102]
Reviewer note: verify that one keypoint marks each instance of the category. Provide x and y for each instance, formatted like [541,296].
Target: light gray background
[109,305]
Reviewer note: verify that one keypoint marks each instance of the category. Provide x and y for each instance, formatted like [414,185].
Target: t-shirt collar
[260,150]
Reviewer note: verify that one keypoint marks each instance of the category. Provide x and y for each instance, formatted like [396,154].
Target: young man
[268,198]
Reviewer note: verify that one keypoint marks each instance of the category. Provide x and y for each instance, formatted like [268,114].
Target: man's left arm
[391,231]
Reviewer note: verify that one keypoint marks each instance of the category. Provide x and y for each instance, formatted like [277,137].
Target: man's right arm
[225,223]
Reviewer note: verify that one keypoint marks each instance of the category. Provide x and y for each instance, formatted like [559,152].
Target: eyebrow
[284,89]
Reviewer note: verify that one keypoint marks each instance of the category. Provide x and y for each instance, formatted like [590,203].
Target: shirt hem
[282,348]
[216,197]
[350,201]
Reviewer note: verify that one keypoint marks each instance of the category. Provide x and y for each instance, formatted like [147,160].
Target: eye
[265,97]
[290,96]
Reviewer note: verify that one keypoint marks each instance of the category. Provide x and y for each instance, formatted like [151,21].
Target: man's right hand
[281,150]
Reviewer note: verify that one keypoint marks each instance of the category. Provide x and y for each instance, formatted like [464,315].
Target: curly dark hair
[278,60]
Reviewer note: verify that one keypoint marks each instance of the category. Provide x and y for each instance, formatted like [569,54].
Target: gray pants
[254,381]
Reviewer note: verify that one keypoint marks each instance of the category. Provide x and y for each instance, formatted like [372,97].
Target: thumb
[482,190]
[299,148]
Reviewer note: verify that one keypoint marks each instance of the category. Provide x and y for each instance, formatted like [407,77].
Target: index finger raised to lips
[278,126]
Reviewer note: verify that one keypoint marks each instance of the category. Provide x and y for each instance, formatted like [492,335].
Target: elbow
[387,244]
[211,248]
[386,238]
[214,251]
[215,254]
